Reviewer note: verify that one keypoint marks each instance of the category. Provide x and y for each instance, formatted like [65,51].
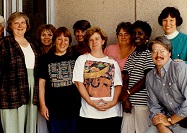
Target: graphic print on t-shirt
[61,73]
[98,77]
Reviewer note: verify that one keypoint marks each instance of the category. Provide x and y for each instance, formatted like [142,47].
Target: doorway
[38,11]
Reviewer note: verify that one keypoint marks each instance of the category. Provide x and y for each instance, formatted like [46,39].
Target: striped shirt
[136,66]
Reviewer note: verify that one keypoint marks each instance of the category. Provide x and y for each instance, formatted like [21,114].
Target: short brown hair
[43,27]
[173,12]
[14,16]
[162,41]
[65,31]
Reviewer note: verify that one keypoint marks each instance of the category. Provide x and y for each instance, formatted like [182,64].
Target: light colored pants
[41,124]
[137,121]
[174,129]
[22,119]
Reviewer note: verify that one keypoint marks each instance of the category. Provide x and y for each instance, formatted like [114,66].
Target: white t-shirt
[29,56]
[99,75]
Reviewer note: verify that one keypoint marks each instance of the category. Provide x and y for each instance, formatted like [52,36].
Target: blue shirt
[167,94]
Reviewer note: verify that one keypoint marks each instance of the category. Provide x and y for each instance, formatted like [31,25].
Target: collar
[171,36]
[164,69]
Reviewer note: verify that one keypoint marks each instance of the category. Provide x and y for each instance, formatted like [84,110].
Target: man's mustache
[158,57]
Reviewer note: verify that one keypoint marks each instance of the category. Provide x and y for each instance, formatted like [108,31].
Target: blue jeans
[62,125]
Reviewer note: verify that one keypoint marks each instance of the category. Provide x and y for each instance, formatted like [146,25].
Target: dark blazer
[14,88]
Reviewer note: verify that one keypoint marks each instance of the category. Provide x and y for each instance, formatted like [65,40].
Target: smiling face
[19,26]
[139,37]
[160,55]
[169,25]
[46,37]
[79,34]
[124,37]
[95,42]
[62,44]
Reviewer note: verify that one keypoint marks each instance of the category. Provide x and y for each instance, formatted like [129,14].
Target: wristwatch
[169,120]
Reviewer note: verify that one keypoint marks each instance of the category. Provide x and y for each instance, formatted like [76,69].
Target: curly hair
[127,26]
[92,30]
[43,27]
[144,26]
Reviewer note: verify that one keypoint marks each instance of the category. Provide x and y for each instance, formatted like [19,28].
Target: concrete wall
[108,13]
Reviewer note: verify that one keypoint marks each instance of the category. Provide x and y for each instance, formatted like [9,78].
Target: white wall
[108,13]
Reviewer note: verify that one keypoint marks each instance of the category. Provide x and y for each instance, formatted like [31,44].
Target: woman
[80,28]
[2,26]
[124,48]
[170,19]
[134,94]
[44,35]
[19,79]
[98,79]
[58,96]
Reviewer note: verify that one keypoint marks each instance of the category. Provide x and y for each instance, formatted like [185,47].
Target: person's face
[169,25]
[160,55]
[79,34]
[95,42]
[124,37]
[1,31]
[62,44]
[139,37]
[46,37]
[19,26]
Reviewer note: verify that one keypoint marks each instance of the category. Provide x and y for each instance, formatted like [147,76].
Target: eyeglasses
[162,51]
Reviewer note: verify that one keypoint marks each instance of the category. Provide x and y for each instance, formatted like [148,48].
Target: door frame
[11,6]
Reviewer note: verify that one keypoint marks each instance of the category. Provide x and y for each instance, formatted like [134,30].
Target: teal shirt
[179,47]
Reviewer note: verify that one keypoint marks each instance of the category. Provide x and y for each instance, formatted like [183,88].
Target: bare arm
[43,109]
[161,121]
[110,104]
[137,87]
[163,129]
[86,97]
[95,103]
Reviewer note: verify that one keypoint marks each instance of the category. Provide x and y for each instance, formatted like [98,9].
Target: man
[167,89]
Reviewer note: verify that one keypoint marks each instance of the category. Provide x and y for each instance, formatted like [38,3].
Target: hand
[102,105]
[44,112]
[160,119]
[124,96]
[127,106]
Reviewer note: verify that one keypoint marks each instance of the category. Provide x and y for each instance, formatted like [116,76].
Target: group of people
[133,86]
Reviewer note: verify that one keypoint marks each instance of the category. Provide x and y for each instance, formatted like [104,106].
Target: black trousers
[109,125]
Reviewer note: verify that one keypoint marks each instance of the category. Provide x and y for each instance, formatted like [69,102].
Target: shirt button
[170,103]
[166,93]
[163,84]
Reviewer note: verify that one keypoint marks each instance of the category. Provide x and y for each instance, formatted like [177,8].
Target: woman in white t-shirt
[98,79]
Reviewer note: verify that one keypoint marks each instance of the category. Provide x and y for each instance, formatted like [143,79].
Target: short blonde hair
[2,21]
[92,30]
[14,16]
